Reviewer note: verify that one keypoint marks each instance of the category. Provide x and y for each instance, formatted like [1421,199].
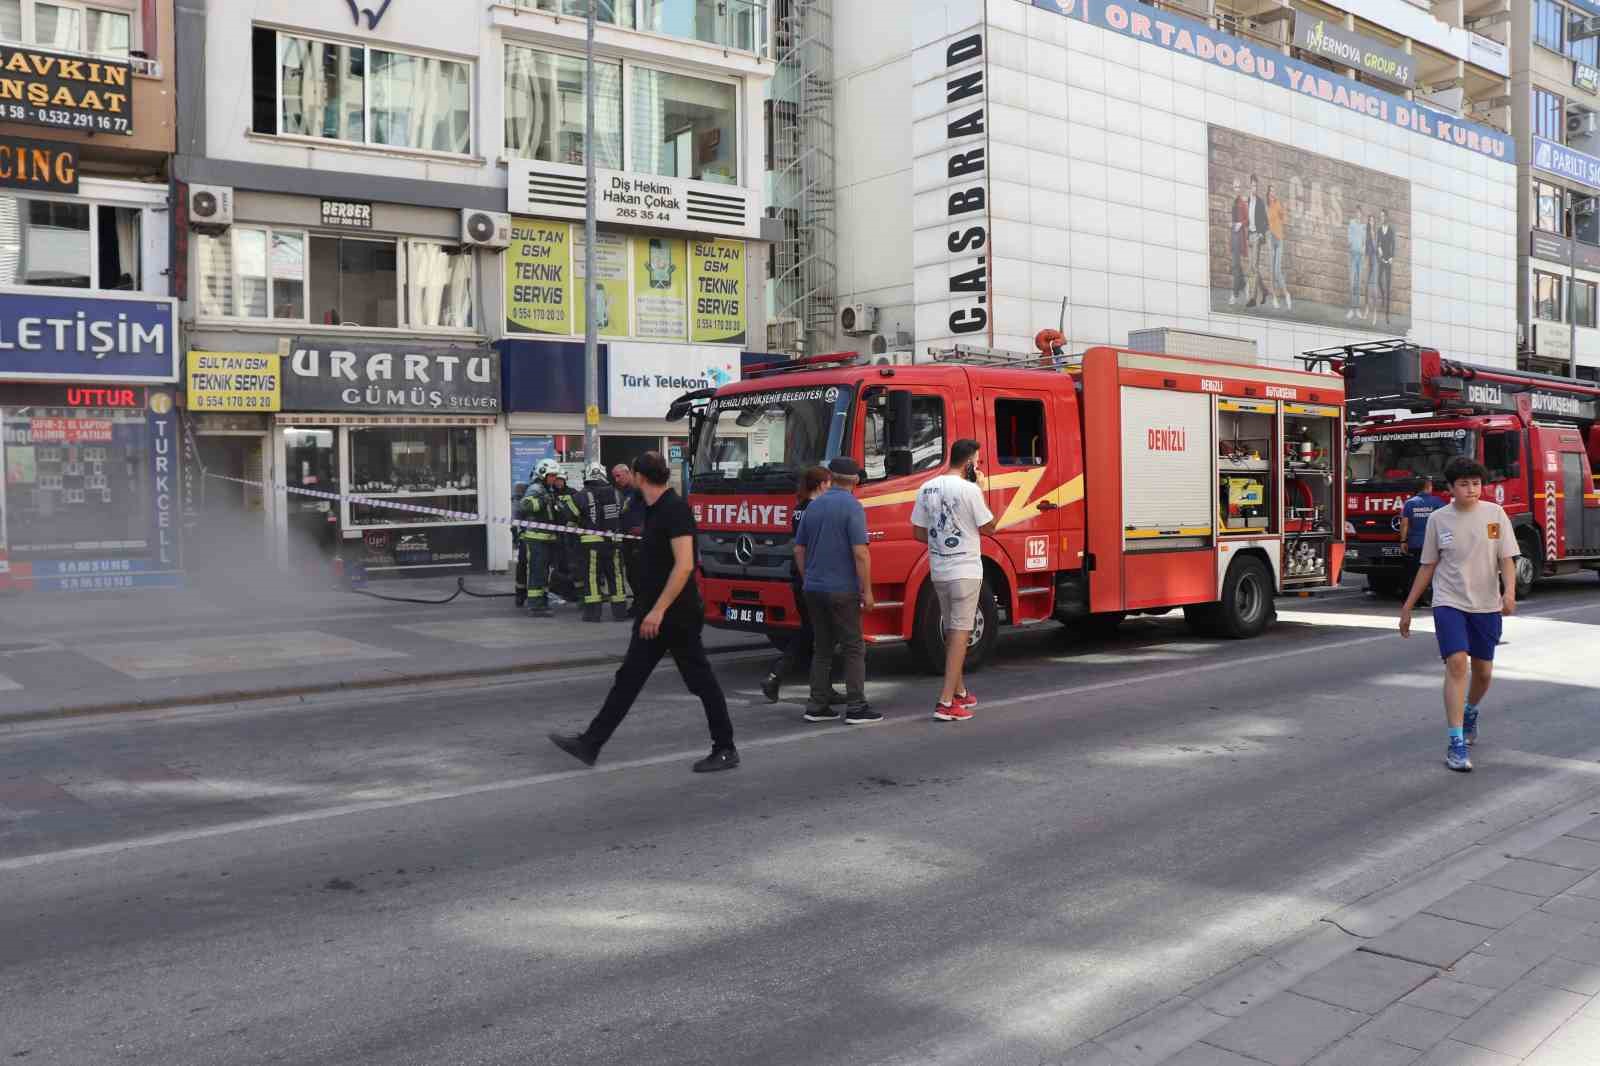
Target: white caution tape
[395,505]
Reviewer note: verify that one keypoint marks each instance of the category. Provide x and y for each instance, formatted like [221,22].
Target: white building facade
[1106,168]
[402,242]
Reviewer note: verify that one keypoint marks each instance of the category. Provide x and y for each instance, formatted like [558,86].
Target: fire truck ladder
[1001,358]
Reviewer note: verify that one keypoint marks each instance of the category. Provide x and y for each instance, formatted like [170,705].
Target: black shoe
[719,759]
[620,612]
[577,747]
[591,613]
[822,714]
[769,687]
[862,715]
[539,606]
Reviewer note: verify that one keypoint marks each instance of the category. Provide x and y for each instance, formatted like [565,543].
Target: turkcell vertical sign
[163,421]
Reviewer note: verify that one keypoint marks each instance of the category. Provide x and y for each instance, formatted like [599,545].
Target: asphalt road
[419,877]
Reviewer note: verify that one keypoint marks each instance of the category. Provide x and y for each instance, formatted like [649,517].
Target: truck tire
[927,637]
[1246,607]
[1530,562]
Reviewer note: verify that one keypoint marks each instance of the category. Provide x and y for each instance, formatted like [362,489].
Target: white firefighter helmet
[595,472]
[545,468]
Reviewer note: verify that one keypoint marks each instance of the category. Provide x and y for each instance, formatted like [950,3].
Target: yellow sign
[591,414]
[609,293]
[539,277]
[234,381]
[660,289]
[717,288]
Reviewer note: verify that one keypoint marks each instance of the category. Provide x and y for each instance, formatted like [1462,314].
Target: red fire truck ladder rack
[1003,359]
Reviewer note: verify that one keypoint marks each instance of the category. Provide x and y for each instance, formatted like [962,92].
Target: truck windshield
[1399,458]
[761,441]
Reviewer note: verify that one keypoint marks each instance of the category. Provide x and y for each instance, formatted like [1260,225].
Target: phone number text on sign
[234,381]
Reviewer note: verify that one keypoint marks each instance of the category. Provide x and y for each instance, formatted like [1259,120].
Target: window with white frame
[339,91]
[660,122]
[1546,296]
[70,244]
[544,103]
[259,272]
[69,26]
[736,24]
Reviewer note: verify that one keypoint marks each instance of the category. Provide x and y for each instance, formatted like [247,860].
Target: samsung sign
[1564,162]
[88,338]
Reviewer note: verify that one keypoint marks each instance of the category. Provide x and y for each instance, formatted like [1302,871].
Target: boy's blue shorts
[1475,634]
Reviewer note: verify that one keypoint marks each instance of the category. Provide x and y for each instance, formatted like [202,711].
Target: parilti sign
[67,92]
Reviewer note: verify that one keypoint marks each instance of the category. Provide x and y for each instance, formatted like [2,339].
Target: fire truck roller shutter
[1167,489]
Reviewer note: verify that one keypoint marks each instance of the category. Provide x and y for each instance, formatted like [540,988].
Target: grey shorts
[958,602]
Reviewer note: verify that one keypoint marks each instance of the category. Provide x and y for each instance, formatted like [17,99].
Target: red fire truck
[1123,482]
[1537,435]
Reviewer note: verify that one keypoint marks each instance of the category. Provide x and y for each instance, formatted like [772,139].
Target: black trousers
[836,620]
[683,643]
[797,652]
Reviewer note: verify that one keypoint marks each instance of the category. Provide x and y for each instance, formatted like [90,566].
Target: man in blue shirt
[1414,525]
[830,554]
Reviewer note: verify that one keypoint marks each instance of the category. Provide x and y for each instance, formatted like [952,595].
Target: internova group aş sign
[1317,35]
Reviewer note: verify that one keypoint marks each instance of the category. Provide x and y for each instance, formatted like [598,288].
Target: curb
[258,695]
[1163,1031]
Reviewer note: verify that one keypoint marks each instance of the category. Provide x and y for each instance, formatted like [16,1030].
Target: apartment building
[383,203]
[1296,175]
[88,333]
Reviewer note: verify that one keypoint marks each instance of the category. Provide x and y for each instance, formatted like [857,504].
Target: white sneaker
[1232,299]
[1348,315]
[1288,301]
[1275,303]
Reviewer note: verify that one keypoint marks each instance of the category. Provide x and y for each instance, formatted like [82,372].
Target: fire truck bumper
[752,606]
[1381,559]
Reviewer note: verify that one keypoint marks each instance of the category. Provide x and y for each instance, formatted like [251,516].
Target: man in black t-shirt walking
[670,620]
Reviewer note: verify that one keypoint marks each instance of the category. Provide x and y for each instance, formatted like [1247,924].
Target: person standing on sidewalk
[672,625]
[951,518]
[632,521]
[830,551]
[813,483]
[1469,554]
[1414,525]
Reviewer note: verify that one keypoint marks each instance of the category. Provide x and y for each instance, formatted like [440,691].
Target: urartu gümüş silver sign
[329,374]
[1326,39]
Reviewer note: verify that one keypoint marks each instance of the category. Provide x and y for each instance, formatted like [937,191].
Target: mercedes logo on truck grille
[744,549]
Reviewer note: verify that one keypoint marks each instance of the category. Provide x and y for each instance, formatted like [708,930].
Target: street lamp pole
[1572,288]
[591,338]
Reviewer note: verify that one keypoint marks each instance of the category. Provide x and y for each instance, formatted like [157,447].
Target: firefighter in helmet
[549,503]
[600,573]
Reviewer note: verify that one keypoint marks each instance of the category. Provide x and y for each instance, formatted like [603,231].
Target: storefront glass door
[311,461]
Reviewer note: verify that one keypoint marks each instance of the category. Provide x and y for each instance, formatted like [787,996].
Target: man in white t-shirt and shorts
[951,517]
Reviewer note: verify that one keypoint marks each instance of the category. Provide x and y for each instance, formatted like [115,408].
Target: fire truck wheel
[1529,563]
[927,637]
[1246,606]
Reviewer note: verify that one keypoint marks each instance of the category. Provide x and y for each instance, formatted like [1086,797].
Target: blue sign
[1176,33]
[527,453]
[1565,162]
[88,338]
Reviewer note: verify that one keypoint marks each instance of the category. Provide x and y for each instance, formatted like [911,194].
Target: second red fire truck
[1122,482]
[1538,436]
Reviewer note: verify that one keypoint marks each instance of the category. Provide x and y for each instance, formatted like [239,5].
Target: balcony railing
[739,25]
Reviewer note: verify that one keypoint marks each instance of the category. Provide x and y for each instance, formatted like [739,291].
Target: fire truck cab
[1537,435]
[1122,482]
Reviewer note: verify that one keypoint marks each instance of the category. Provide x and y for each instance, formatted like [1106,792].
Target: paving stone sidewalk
[1504,970]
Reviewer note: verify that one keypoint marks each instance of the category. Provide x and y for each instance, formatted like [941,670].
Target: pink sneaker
[966,699]
[951,712]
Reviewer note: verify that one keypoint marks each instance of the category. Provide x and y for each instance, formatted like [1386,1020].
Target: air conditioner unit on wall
[485,229]
[857,320]
[210,206]
[1583,124]
[896,358]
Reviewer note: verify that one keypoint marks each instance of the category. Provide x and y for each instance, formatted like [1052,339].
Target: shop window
[1549,116]
[1546,296]
[683,127]
[1583,311]
[1019,433]
[69,244]
[1548,214]
[544,104]
[348,92]
[251,272]
[67,27]
[928,450]
[437,280]
[420,466]
[1548,19]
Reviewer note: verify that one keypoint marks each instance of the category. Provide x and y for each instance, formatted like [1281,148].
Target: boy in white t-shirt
[951,517]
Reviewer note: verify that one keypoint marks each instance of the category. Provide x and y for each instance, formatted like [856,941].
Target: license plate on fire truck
[754,616]
[1379,551]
